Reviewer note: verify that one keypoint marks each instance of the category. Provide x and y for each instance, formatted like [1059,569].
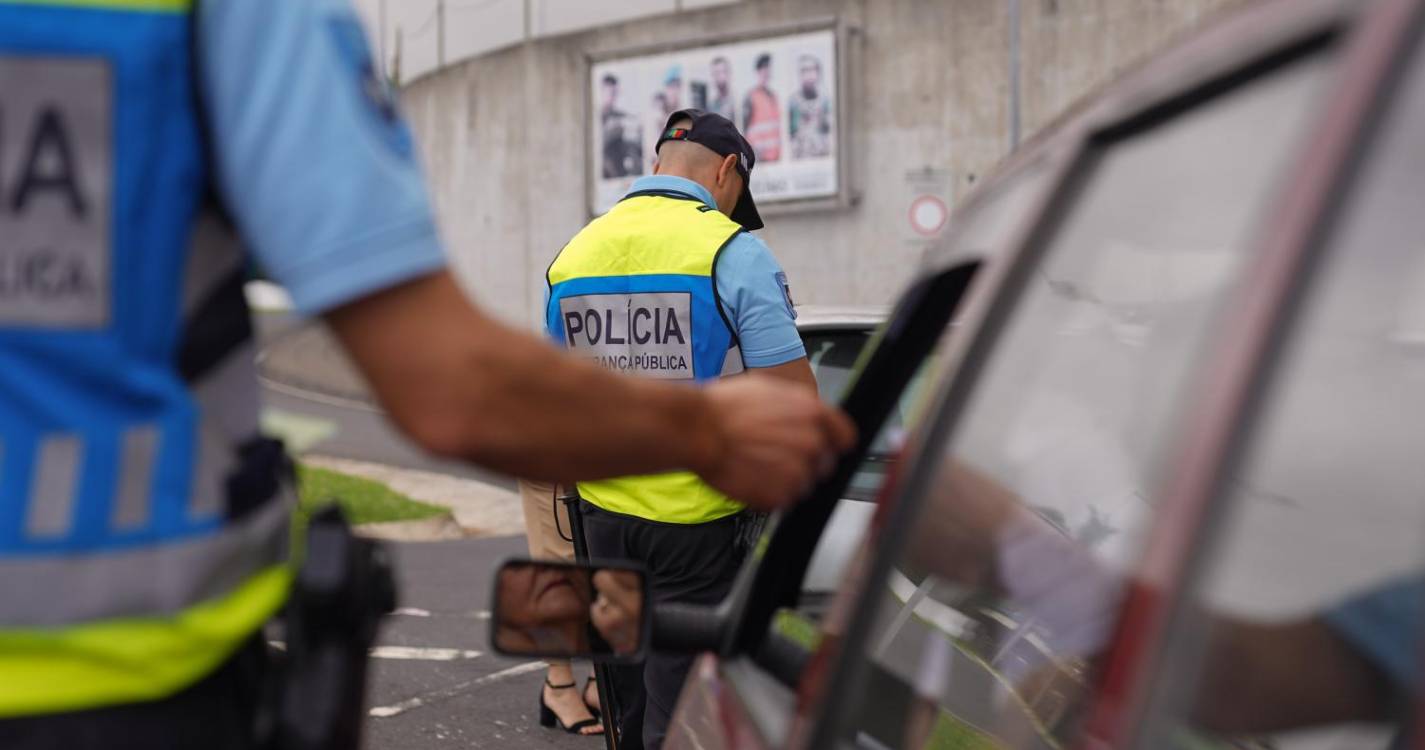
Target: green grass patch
[797,628]
[363,500]
[952,734]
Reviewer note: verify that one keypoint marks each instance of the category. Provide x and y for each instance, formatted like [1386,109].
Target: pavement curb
[434,529]
[473,508]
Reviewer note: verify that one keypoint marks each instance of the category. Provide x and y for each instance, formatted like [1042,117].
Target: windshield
[833,355]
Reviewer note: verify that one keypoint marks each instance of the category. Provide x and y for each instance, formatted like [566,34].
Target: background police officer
[669,284]
[142,523]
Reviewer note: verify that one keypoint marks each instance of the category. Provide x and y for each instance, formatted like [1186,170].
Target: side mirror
[563,610]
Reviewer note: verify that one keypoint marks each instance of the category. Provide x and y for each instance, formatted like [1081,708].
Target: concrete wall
[465,28]
[504,141]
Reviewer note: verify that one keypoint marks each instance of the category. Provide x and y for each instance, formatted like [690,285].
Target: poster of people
[779,91]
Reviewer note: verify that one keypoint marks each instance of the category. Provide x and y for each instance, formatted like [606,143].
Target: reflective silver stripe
[133,500]
[216,460]
[56,476]
[151,581]
[228,397]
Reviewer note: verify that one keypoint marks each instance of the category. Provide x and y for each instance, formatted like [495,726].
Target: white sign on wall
[780,91]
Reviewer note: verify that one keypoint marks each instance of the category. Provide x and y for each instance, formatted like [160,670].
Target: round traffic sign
[928,215]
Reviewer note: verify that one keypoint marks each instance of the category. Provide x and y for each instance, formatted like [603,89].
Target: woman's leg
[546,534]
[561,694]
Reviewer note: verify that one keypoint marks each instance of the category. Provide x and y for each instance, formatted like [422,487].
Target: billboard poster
[779,90]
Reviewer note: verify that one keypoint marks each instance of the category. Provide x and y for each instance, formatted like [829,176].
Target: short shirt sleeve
[757,299]
[1383,626]
[314,161]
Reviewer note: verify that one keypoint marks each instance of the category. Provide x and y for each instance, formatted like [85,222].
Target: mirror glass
[570,610]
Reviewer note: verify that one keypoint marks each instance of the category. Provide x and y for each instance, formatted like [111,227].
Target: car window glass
[833,360]
[833,357]
[986,628]
[988,230]
[1313,593]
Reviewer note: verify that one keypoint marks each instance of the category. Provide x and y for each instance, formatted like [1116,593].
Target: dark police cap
[717,133]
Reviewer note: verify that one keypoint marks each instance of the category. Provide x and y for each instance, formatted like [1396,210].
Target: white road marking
[416,653]
[409,653]
[412,612]
[396,709]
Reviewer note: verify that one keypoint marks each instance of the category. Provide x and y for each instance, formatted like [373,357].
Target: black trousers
[218,713]
[693,564]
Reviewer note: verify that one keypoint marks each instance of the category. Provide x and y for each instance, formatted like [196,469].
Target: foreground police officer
[142,518]
[670,285]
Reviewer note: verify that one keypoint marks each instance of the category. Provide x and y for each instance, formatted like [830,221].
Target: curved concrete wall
[504,140]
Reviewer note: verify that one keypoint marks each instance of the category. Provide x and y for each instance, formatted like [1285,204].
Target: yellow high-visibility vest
[635,291]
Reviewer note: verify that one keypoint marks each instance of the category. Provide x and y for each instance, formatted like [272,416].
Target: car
[1157,403]
[1189,322]
[836,337]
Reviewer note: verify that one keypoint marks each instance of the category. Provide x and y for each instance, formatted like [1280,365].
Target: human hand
[617,612]
[777,438]
[957,536]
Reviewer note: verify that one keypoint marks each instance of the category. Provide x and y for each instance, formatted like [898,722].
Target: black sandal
[595,710]
[549,719]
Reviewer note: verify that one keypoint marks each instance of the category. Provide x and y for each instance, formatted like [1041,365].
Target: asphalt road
[434,682]
[465,696]
[349,431]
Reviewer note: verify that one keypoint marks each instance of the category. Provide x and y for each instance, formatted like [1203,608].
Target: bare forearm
[466,386]
[537,412]
[797,371]
[1272,677]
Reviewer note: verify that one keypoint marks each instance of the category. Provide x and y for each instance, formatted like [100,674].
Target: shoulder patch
[377,95]
[787,293]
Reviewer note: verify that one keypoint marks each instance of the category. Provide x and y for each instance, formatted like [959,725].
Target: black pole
[607,708]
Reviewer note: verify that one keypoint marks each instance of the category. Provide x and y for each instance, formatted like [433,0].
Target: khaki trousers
[542,526]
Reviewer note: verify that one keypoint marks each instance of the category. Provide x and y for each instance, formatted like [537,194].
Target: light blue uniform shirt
[1383,626]
[313,159]
[751,284]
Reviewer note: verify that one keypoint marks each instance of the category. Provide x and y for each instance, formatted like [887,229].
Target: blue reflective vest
[138,547]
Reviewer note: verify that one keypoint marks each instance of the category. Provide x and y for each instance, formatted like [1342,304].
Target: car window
[833,357]
[987,230]
[832,354]
[1313,590]
[985,630]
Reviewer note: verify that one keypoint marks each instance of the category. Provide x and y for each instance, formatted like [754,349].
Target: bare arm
[1256,678]
[464,385]
[796,371]
[1261,678]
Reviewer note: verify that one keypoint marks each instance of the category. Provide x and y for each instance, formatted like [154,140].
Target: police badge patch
[787,293]
[647,334]
[378,94]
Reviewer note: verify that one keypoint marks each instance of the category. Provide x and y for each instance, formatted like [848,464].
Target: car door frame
[727,690]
